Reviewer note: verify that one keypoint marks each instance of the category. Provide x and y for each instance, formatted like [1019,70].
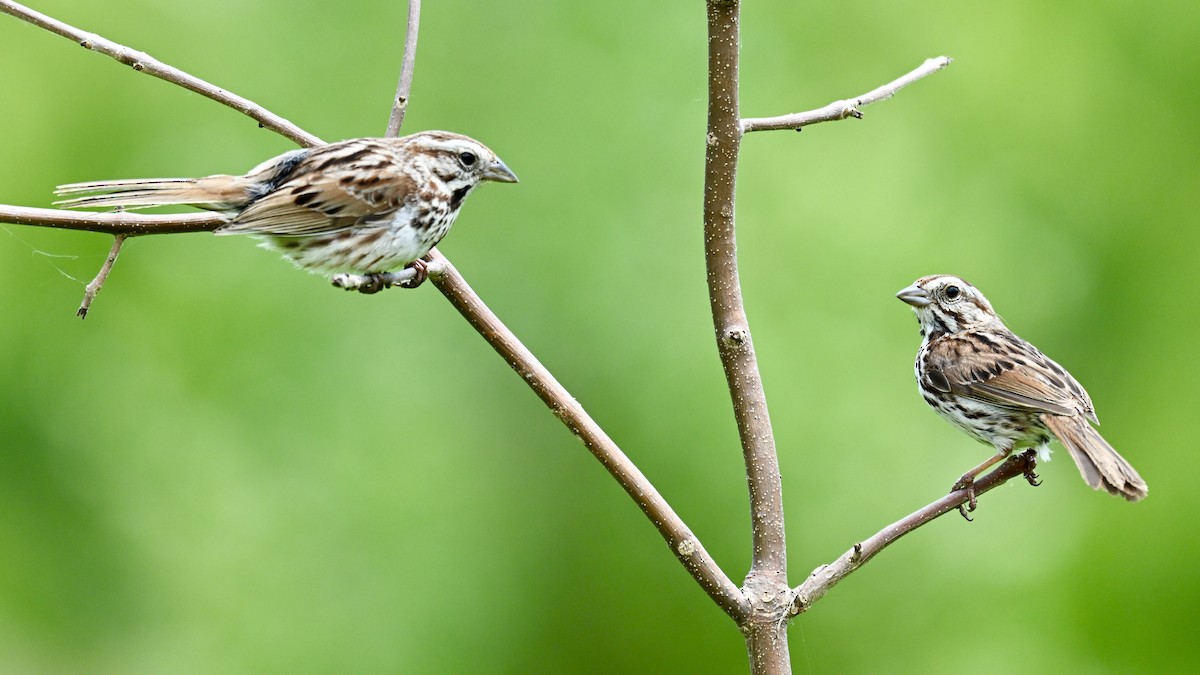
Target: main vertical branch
[725,292]
[766,584]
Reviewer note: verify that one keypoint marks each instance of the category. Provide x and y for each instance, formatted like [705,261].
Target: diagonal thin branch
[144,63]
[840,110]
[400,103]
[826,577]
[686,547]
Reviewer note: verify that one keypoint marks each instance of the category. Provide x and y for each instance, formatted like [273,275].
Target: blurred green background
[231,467]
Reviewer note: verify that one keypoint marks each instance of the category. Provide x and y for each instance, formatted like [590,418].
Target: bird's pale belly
[1007,429]
[364,250]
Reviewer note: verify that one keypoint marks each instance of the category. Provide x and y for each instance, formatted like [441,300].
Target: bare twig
[89,293]
[144,63]
[766,587]
[400,103]
[826,576]
[840,110]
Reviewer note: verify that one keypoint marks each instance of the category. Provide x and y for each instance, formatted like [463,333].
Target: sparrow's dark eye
[468,159]
[952,292]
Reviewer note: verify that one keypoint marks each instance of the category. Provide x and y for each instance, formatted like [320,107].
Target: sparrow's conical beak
[499,171]
[915,296]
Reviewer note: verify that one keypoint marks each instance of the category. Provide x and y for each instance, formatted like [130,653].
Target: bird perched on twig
[366,205]
[976,373]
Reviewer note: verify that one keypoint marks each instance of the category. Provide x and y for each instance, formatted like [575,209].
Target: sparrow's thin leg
[967,482]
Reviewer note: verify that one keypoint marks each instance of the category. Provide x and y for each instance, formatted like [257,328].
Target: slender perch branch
[840,110]
[826,577]
[400,103]
[686,547]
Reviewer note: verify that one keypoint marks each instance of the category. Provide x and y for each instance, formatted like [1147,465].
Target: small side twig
[89,293]
[826,577]
[840,110]
[400,103]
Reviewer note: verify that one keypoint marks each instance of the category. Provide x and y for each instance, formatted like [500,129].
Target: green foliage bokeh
[231,467]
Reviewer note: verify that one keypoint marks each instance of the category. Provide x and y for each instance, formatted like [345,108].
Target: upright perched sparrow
[367,205]
[1001,390]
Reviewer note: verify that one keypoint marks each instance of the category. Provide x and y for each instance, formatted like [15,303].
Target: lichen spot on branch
[685,548]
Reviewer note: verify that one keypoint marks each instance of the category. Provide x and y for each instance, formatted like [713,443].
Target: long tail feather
[217,193]
[1101,466]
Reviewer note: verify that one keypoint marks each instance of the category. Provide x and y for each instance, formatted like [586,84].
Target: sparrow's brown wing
[1004,370]
[333,188]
